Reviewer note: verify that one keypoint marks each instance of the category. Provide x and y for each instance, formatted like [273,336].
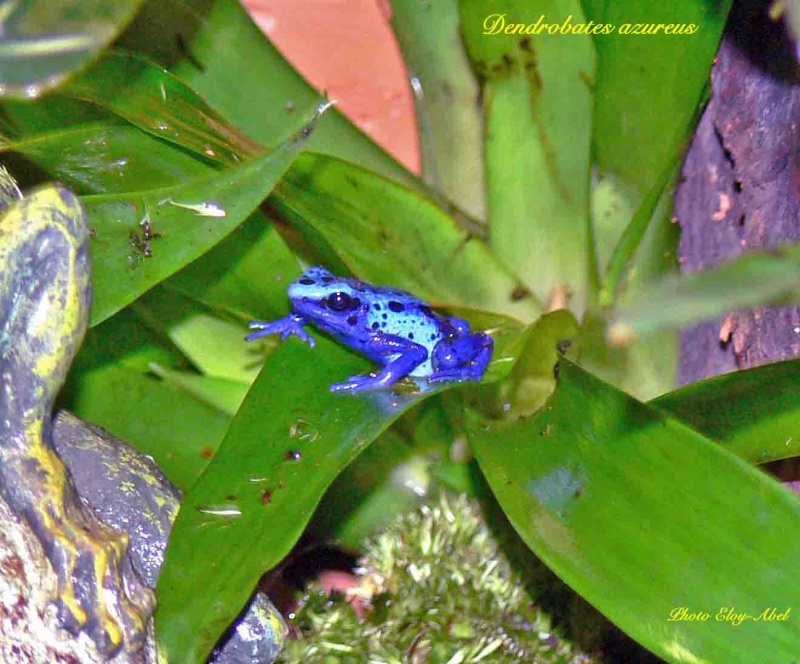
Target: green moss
[440,591]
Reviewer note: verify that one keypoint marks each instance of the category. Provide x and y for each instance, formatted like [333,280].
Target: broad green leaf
[245,275]
[387,234]
[614,202]
[108,385]
[648,368]
[222,394]
[124,341]
[648,87]
[252,85]
[291,438]
[532,380]
[175,225]
[446,92]
[676,301]
[538,105]
[753,413]
[154,100]
[646,518]
[214,344]
[25,119]
[179,431]
[216,347]
[381,483]
[630,240]
[43,42]
[648,93]
[110,159]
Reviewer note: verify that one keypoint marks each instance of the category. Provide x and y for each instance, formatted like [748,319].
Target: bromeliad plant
[548,158]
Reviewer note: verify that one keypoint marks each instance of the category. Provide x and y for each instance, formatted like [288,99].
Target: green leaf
[380,484]
[43,42]
[446,92]
[189,219]
[367,219]
[214,344]
[644,517]
[531,380]
[291,438]
[648,93]
[223,394]
[538,105]
[251,85]
[648,368]
[649,87]
[753,413]
[630,241]
[757,278]
[180,432]
[236,278]
[112,159]
[644,370]
[154,100]
[108,385]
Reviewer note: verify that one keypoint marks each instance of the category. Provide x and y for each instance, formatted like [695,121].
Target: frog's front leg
[286,327]
[465,358]
[411,355]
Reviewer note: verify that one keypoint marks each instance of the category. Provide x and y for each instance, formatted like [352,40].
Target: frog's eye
[339,301]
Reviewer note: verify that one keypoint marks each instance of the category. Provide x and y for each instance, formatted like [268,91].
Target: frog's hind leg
[410,356]
[463,359]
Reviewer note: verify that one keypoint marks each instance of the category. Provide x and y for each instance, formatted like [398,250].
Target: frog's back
[401,314]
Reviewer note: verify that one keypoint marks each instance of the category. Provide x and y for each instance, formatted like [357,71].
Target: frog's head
[333,303]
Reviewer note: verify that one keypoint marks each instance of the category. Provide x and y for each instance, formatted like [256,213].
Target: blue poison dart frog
[391,327]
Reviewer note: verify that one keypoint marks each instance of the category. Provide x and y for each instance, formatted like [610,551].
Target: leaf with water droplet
[44,42]
[161,104]
[183,235]
[288,413]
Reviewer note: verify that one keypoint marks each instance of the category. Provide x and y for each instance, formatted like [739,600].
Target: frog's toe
[450,376]
[357,384]
[300,333]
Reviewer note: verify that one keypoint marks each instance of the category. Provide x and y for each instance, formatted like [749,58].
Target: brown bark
[741,188]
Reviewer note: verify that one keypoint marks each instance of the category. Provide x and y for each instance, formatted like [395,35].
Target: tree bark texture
[740,189]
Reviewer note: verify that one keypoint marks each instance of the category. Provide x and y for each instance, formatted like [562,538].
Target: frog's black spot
[352,320]
[327,280]
[356,303]
[339,301]
[425,309]
[433,336]
[384,316]
[375,325]
[410,335]
[377,307]
[306,281]
[396,306]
